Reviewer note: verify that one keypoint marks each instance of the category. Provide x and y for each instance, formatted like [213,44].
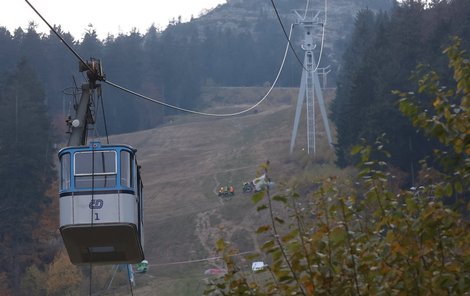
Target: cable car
[101,204]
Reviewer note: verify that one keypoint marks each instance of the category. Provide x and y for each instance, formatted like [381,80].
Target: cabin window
[95,169]
[65,171]
[126,169]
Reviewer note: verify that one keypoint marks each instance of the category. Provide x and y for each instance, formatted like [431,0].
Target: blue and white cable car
[101,204]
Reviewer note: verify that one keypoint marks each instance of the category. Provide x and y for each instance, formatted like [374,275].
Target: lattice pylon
[310,89]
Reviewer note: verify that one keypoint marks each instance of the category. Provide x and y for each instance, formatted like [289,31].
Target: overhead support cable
[287,36]
[200,260]
[61,39]
[100,77]
[205,113]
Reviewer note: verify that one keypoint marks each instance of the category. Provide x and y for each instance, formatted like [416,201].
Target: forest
[172,65]
[383,56]
[388,56]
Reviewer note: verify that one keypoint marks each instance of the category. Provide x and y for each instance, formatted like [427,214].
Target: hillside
[184,162]
[260,19]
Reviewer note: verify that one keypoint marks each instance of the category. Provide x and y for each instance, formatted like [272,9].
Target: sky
[106,16]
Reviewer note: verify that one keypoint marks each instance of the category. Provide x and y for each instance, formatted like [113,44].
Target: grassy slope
[185,161]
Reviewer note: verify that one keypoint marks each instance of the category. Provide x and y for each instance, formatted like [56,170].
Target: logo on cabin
[96,204]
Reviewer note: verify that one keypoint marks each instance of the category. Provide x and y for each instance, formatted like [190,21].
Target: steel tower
[310,85]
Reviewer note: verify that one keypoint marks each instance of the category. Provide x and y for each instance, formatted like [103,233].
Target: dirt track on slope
[183,164]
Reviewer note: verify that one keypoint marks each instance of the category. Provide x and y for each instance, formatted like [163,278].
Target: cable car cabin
[101,204]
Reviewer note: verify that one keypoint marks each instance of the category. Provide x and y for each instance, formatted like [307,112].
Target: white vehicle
[261,182]
[258,265]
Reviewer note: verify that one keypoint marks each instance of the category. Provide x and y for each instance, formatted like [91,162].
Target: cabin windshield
[95,169]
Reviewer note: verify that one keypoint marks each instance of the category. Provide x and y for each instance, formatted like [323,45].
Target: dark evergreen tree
[268,48]
[8,50]
[152,78]
[61,67]
[382,55]
[29,46]
[181,79]
[344,108]
[91,46]
[25,166]
[123,65]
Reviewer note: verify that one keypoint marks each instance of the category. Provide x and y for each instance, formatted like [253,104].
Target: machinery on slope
[257,184]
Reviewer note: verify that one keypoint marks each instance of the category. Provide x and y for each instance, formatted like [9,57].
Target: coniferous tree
[25,158]
[380,60]
[123,65]
[344,108]
[152,77]
[61,67]
[8,50]
[181,68]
